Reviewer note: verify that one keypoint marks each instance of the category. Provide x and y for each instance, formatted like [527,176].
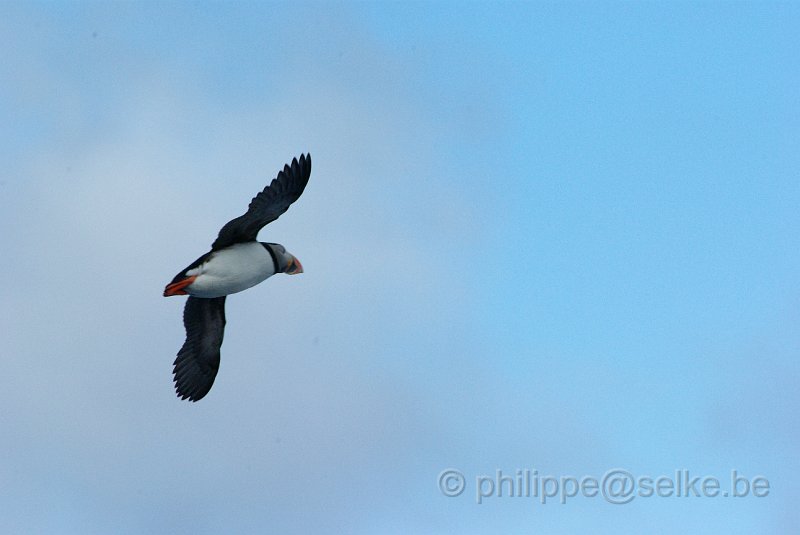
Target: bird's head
[285,261]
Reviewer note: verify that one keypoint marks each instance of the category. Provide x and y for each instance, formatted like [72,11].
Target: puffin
[236,262]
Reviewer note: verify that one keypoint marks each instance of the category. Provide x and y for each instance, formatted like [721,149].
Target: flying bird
[236,262]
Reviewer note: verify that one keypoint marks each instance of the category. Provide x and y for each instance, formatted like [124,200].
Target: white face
[287,262]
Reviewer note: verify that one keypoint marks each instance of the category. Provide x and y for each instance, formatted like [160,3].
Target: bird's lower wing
[198,360]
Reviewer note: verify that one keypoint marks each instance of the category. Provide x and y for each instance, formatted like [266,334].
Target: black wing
[268,205]
[198,360]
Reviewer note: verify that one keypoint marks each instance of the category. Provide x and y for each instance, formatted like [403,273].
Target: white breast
[231,270]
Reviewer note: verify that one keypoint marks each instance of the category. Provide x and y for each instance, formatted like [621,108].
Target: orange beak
[294,267]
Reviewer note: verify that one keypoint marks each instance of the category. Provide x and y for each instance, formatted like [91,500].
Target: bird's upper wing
[198,360]
[268,205]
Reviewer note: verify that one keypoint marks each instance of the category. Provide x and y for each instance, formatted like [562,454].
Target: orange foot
[176,288]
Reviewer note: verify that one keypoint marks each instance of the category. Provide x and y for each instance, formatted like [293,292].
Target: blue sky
[555,237]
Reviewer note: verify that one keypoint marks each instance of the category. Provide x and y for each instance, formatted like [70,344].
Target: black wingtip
[304,162]
[188,397]
[191,382]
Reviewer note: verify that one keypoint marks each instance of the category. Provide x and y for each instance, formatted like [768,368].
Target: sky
[539,238]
